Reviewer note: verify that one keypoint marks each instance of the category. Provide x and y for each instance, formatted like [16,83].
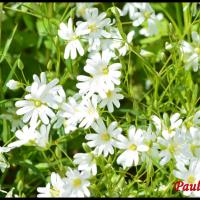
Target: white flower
[118,43]
[3,163]
[143,11]
[72,110]
[15,120]
[191,52]
[96,24]
[26,136]
[103,76]
[42,99]
[132,146]
[30,136]
[167,126]
[196,119]
[89,111]
[175,122]
[4,149]
[69,115]
[190,175]
[86,162]
[157,123]
[69,126]
[151,28]
[66,32]
[10,194]
[81,9]
[76,183]
[53,189]
[194,141]
[129,8]
[13,85]
[113,97]
[104,139]
[174,147]
[150,138]
[42,139]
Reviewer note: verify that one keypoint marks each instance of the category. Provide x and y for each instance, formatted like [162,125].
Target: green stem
[1,10]
[172,21]
[179,16]
[24,12]
[1,16]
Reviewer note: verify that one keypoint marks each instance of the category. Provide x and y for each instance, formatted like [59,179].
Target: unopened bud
[20,64]
[13,85]
[145,53]
[168,46]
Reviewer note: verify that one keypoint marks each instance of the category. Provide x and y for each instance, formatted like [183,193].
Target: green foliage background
[29,44]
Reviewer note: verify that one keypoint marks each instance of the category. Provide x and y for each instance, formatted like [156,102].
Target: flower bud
[145,53]
[13,85]
[168,46]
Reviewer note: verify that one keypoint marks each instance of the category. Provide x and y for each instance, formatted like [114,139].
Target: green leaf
[8,43]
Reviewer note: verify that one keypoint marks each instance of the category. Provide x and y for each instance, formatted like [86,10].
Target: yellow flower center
[93,27]
[77,182]
[31,142]
[170,131]
[91,111]
[55,192]
[189,124]
[74,37]
[105,71]
[147,14]
[191,179]
[37,103]
[105,137]
[171,148]
[197,50]
[132,147]
[109,93]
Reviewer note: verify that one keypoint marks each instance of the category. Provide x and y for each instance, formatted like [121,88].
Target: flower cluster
[46,106]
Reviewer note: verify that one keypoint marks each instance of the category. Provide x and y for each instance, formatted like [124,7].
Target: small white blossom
[194,141]
[129,8]
[3,162]
[81,9]
[112,98]
[76,183]
[174,147]
[118,43]
[190,175]
[103,139]
[132,147]
[103,76]
[30,136]
[67,32]
[38,104]
[53,189]
[86,162]
[89,111]
[42,139]
[167,126]
[191,52]
[69,115]
[96,24]
[15,120]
